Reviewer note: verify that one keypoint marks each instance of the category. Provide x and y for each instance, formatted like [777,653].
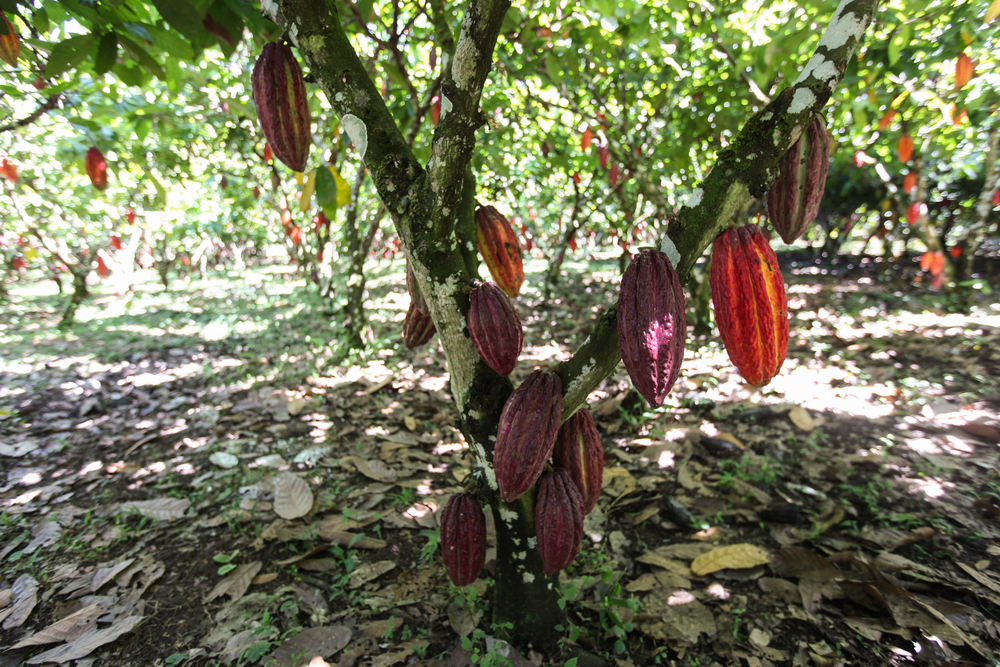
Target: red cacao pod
[495,328]
[279,94]
[9,171]
[97,168]
[748,293]
[463,538]
[793,198]
[416,297]
[268,155]
[914,211]
[905,148]
[964,70]
[578,450]
[116,242]
[500,249]
[10,45]
[527,434]
[909,182]
[651,324]
[418,328]
[558,520]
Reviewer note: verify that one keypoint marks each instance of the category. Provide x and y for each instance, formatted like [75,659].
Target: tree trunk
[80,294]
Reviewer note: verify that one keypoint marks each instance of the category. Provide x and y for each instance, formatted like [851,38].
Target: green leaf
[40,18]
[140,55]
[899,41]
[326,192]
[181,15]
[68,54]
[107,53]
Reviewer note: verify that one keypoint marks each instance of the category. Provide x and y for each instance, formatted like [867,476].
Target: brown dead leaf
[264,578]
[48,532]
[322,641]
[802,419]
[106,574]
[161,509]
[25,590]
[982,431]
[366,572]
[60,630]
[675,617]
[734,556]
[292,496]
[237,583]
[802,563]
[86,643]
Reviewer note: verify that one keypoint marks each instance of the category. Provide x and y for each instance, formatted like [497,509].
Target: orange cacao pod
[418,327]
[500,249]
[651,324]
[463,538]
[578,450]
[558,520]
[748,293]
[279,94]
[10,45]
[963,71]
[97,168]
[793,198]
[527,434]
[886,121]
[905,148]
[914,211]
[495,328]
[909,182]
[9,170]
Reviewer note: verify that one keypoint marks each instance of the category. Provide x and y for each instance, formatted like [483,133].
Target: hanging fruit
[964,70]
[279,94]
[97,168]
[905,148]
[909,182]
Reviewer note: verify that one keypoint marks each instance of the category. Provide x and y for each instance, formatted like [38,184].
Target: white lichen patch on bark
[508,515]
[694,198]
[532,542]
[463,69]
[269,8]
[802,100]
[446,106]
[668,248]
[491,477]
[528,577]
[768,116]
[579,384]
[521,555]
[357,131]
[820,68]
[842,27]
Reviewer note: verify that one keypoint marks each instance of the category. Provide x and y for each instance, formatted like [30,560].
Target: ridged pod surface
[558,520]
[10,44]
[748,293]
[495,328]
[793,198]
[97,168]
[418,327]
[578,450]
[651,324]
[279,94]
[527,433]
[500,249]
[463,538]
[416,297]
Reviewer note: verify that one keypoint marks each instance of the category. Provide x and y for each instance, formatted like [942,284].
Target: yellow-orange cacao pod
[500,249]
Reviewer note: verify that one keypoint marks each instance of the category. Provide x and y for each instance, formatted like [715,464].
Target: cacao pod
[268,155]
[963,71]
[905,148]
[914,211]
[793,198]
[97,168]
[416,297]
[279,94]
[216,29]
[578,450]
[500,249]
[495,328]
[418,328]
[9,171]
[558,520]
[909,182]
[748,293]
[10,45]
[651,324]
[886,121]
[527,434]
[463,538]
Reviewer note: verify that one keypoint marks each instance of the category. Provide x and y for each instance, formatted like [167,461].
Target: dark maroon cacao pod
[416,297]
[463,538]
[793,198]
[279,93]
[558,520]
[418,328]
[651,324]
[495,328]
[578,450]
[527,434]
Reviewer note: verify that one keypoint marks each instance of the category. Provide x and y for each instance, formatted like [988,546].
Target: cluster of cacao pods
[279,95]
[500,249]
[97,168]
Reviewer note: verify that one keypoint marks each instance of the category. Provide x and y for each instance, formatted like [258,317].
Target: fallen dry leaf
[237,583]
[86,643]
[323,641]
[161,509]
[25,597]
[802,419]
[292,496]
[734,556]
[60,630]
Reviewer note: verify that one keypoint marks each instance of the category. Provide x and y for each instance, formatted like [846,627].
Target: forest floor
[146,454]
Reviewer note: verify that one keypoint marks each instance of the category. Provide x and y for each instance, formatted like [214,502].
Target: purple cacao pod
[416,297]
[279,94]
[651,324]
[527,434]
[793,198]
[495,328]
[578,450]
[558,520]
[418,328]
[463,538]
